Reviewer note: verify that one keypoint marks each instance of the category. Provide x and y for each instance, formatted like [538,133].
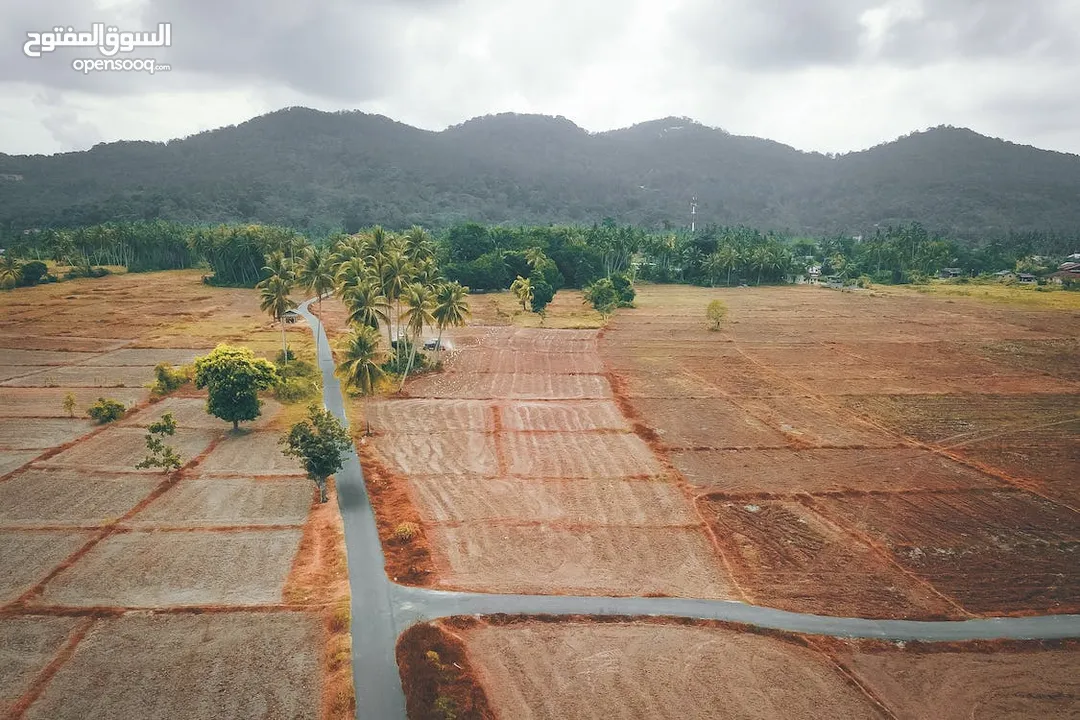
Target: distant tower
[693,213]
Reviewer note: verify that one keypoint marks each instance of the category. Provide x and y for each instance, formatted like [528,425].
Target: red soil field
[960,682]
[40,497]
[529,482]
[787,556]
[585,560]
[604,501]
[941,410]
[643,670]
[14,459]
[788,471]
[188,568]
[552,416]
[147,358]
[994,552]
[27,644]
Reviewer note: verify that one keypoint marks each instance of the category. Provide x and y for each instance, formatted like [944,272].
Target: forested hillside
[321,172]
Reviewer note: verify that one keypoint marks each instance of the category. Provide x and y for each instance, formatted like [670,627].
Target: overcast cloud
[827,75]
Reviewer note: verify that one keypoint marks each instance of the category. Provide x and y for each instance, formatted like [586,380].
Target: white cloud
[843,75]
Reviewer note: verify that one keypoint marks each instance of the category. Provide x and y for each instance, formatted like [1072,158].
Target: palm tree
[10,270]
[419,304]
[394,273]
[378,242]
[278,264]
[712,265]
[359,367]
[759,260]
[274,293]
[535,257]
[418,246]
[350,273]
[728,256]
[523,290]
[451,307]
[365,305]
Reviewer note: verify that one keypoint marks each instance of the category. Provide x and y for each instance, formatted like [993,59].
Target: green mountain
[324,171]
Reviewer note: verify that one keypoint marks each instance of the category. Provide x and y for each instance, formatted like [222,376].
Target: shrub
[295,388]
[69,404]
[624,289]
[169,379]
[106,410]
[446,707]
[33,272]
[405,532]
[98,272]
[715,312]
[543,293]
[279,359]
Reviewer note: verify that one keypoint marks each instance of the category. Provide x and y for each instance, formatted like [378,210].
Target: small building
[947,273]
[1069,266]
[1065,277]
[1027,279]
[1004,274]
[290,316]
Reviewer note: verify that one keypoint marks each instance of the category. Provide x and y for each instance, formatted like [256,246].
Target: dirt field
[535,670]
[235,665]
[863,454]
[659,669]
[129,593]
[533,481]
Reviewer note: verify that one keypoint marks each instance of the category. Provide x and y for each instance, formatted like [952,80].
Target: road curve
[382,609]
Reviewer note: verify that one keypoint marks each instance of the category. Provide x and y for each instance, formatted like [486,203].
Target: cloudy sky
[827,75]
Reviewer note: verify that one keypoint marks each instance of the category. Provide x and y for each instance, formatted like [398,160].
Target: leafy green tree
[69,404]
[161,455]
[716,312]
[234,377]
[106,410]
[320,443]
[359,366]
[543,293]
[32,272]
[602,296]
[523,291]
[624,289]
[451,307]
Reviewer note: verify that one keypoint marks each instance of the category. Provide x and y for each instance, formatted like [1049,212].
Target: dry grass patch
[249,453]
[86,376]
[49,402]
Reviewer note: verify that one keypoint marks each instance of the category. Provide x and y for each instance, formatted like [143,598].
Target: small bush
[716,312]
[446,707]
[106,410]
[279,359]
[33,272]
[98,272]
[170,379]
[405,532]
[294,389]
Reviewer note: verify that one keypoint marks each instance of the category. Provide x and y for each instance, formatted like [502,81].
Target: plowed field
[533,481]
[240,568]
[903,456]
[130,593]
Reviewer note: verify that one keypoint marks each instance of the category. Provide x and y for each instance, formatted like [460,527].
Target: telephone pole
[693,212]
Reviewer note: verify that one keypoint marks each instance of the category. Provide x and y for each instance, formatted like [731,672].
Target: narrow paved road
[382,609]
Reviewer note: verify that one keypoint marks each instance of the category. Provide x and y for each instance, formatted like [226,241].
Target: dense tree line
[340,172]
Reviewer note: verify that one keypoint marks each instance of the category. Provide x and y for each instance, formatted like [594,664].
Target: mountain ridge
[319,171]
